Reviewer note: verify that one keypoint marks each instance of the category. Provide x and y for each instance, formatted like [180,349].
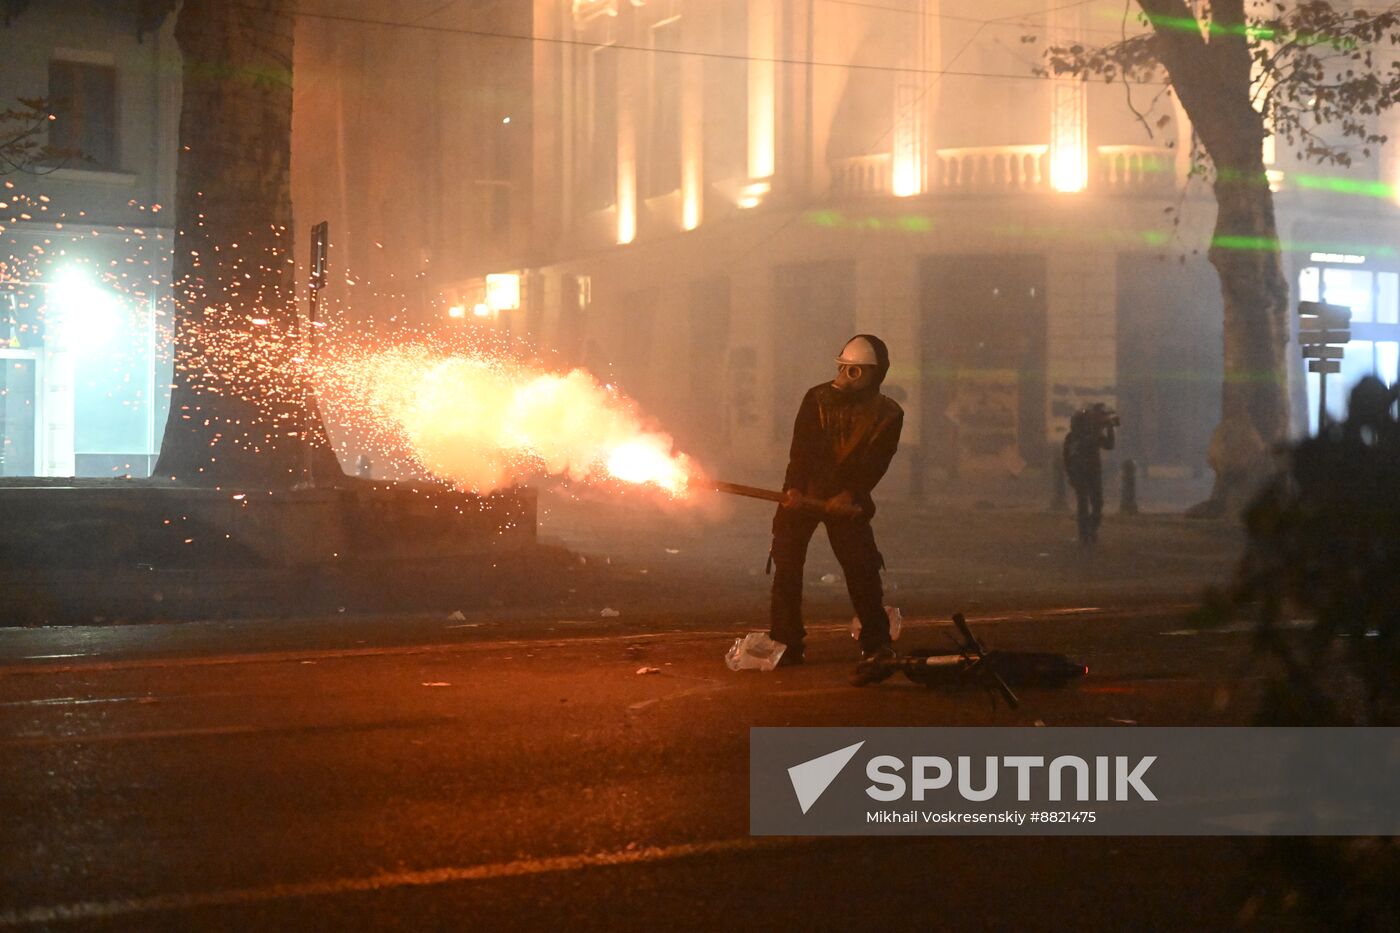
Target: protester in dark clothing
[844,437]
[1090,431]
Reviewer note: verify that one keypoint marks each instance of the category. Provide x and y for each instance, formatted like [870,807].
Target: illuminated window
[1387,298]
[1350,287]
[503,291]
[1309,284]
[1387,361]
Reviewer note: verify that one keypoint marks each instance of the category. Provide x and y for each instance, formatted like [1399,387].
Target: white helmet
[858,352]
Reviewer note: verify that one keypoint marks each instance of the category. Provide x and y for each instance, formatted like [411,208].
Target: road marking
[32,740]
[282,657]
[78,701]
[37,740]
[237,897]
[709,686]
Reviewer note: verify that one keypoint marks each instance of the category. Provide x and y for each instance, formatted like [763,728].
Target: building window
[596,136]
[83,98]
[663,162]
[501,185]
[500,209]
[726,137]
[1374,300]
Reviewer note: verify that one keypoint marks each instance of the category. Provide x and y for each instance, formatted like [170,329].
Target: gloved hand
[792,499]
[842,505]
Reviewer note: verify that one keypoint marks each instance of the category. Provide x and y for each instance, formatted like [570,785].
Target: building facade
[85,241]
[411,138]
[726,190]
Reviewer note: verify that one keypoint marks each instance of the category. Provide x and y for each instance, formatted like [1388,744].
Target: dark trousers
[1089,510]
[853,542]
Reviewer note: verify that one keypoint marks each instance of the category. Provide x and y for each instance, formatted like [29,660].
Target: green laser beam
[1258,244]
[1353,186]
[831,218]
[1250,31]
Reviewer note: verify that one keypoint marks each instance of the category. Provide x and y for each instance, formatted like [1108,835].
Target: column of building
[1081,343]
[916,89]
[1069,111]
[631,92]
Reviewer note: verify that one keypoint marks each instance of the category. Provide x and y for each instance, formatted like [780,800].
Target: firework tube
[807,503]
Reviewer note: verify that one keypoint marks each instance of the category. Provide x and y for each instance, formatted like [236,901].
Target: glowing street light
[88,316]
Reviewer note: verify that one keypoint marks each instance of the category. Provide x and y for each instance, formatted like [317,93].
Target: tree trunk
[237,411]
[1212,80]
[1254,395]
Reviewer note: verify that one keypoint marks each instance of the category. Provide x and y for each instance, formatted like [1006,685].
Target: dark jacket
[1083,466]
[843,442]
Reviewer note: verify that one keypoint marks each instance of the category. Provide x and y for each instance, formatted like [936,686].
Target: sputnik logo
[811,778]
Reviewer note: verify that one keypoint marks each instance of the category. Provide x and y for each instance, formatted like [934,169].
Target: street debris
[896,623]
[437,683]
[754,652]
[456,616]
[648,670]
[1123,722]
[673,550]
[829,578]
[970,663]
[610,613]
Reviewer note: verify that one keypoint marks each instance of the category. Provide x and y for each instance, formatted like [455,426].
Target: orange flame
[644,461]
[484,421]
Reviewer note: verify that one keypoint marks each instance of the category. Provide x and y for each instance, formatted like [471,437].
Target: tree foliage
[24,145]
[1309,73]
[1318,74]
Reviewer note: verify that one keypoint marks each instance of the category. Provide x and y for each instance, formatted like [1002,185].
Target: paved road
[424,774]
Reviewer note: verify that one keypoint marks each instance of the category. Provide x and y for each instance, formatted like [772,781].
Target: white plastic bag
[754,652]
[896,623]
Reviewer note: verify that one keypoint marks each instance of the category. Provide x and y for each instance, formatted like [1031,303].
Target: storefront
[1370,287]
[86,384]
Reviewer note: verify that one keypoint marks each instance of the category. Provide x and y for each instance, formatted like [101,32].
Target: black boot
[873,668]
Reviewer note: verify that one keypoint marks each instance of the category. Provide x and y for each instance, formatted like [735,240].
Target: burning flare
[644,461]
[483,421]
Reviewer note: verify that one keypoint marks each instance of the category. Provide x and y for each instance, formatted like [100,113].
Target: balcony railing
[1136,169]
[991,170]
[861,176]
[1141,170]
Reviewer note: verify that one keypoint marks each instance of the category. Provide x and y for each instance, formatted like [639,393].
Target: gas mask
[856,367]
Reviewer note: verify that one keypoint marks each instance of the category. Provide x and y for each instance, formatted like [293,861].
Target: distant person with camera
[1091,430]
